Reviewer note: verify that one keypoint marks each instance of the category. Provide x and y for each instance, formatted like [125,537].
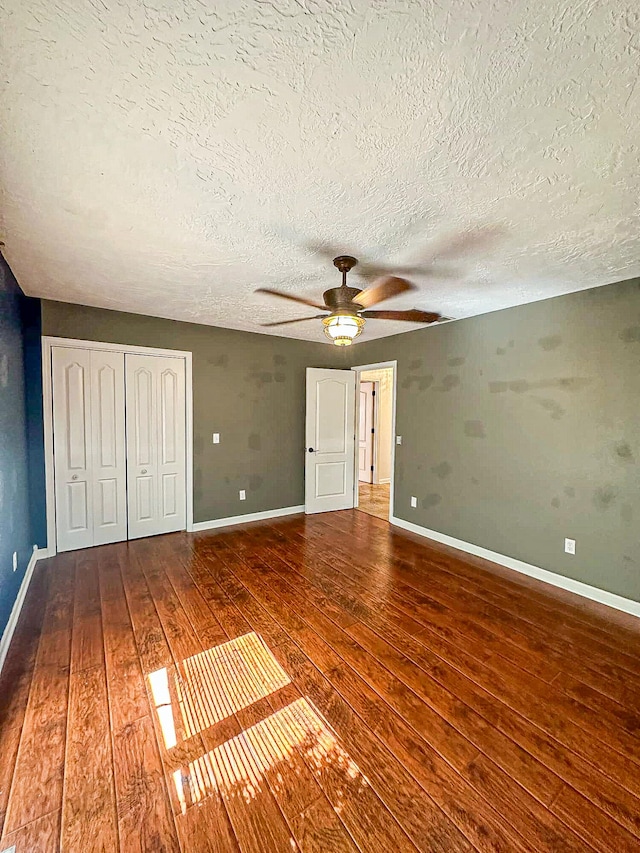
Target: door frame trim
[380,365]
[50,341]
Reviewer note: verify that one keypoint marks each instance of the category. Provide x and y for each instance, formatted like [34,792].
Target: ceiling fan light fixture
[343,329]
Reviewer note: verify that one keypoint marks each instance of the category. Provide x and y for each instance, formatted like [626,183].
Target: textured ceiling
[167,157]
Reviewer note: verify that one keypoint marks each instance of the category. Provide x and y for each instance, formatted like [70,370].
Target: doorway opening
[375,401]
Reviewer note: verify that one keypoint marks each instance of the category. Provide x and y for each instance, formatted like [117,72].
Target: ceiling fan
[348,306]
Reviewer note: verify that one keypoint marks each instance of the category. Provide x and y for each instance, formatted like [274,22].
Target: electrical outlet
[398,439]
[216,438]
[570,546]
[414,502]
[15,561]
[243,495]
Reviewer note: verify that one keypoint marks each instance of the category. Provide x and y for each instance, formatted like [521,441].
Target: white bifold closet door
[156,458]
[89,447]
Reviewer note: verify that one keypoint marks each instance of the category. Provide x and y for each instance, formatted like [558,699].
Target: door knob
[75,477]
[144,471]
[311,450]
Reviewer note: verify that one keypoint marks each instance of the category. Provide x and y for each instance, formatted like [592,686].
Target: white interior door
[71,378]
[89,452]
[365,432]
[330,440]
[156,450]
[109,480]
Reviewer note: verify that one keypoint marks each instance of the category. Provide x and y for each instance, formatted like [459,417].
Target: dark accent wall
[15,527]
[522,427]
[248,387]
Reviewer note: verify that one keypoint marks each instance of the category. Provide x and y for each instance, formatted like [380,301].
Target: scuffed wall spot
[623,452]
[255,442]
[4,370]
[555,409]
[255,481]
[555,502]
[450,381]
[279,376]
[519,386]
[631,335]
[279,360]
[431,500]
[604,497]
[456,362]
[498,387]
[442,470]
[549,343]
[569,491]
[500,351]
[475,481]
[227,480]
[416,364]
[423,382]
[260,377]
[626,513]
[219,360]
[474,429]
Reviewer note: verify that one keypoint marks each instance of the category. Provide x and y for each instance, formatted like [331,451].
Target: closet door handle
[144,471]
[75,477]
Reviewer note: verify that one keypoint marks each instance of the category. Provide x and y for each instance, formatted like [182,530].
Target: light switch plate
[570,546]
[15,561]
[414,502]
[398,439]
[216,438]
[243,495]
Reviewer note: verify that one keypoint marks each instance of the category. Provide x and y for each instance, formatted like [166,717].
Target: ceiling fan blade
[413,315]
[291,297]
[383,289]
[297,320]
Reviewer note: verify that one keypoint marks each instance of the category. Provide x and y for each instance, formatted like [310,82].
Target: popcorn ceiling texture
[168,157]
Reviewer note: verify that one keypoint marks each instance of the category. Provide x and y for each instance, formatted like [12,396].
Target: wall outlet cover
[398,439]
[570,546]
[414,502]
[216,438]
[15,561]
[243,495]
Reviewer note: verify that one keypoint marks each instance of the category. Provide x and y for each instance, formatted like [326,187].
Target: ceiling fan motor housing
[341,298]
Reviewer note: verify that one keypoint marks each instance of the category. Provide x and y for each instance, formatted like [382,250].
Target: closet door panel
[71,381]
[155,405]
[142,441]
[109,451]
[172,457]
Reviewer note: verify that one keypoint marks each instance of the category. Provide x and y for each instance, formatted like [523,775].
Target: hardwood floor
[374,499]
[314,684]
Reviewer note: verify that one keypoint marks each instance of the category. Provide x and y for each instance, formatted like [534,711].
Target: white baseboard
[45,553]
[7,634]
[250,516]
[384,480]
[600,595]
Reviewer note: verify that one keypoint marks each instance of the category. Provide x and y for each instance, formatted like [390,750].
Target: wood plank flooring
[314,684]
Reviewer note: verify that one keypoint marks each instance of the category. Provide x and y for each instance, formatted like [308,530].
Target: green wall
[250,388]
[522,427]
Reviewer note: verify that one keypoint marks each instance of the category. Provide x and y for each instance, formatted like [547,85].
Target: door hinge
[373,393]
[372,430]
[372,467]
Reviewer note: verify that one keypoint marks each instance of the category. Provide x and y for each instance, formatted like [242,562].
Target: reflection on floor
[374,500]
[314,684]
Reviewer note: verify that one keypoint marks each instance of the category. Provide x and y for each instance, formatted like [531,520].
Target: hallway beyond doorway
[374,499]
